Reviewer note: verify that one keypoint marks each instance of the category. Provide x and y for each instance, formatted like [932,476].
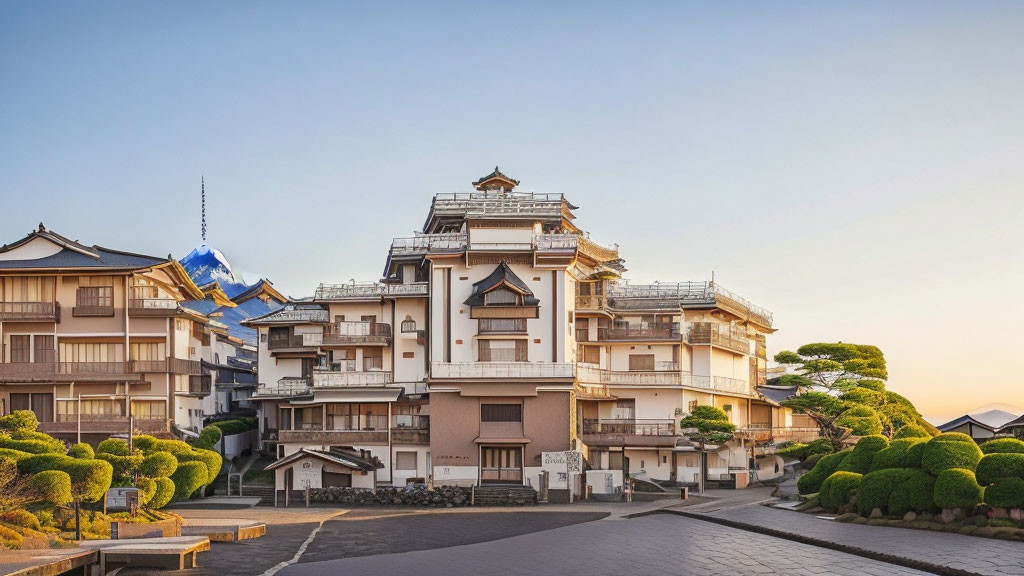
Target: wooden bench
[176,553]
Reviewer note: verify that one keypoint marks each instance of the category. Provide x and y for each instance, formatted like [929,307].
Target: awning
[480,440]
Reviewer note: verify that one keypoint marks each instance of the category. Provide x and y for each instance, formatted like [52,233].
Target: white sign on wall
[561,466]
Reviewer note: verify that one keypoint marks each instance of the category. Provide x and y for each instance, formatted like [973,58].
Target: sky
[854,167]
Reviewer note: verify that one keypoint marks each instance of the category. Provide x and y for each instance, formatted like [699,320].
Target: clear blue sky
[855,167]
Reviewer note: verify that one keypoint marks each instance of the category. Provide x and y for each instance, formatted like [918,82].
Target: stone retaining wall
[443,496]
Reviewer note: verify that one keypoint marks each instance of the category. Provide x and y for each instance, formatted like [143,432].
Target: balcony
[180,366]
[198,386]
[332,379]
[357,333]
[102,424]
[709,333]
[639,333]
[428,243]
[29,312]
[339,429]
[555,243]
[668,377]
[502,325]
[48,372]
[291,341]
[148,366]
[676,295]
[629,432]
[591,303]
[284,388]
[500,370]
[764,433]
[152,306]
[368,291]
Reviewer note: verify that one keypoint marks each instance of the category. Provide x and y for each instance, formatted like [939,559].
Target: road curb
[838,547]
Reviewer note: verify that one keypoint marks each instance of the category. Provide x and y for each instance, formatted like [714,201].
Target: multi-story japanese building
[517,335]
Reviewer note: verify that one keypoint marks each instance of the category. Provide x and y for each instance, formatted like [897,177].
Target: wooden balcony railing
[658,332]
[590,303]
[630,427]
[29,311]
[148,366]
[709,333]
[342,333]
[181,366]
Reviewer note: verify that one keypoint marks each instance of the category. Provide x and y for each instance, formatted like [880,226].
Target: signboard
[561,467]
[122,499]
[308,476]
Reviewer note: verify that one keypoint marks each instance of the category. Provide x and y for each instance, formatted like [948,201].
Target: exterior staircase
[502,495]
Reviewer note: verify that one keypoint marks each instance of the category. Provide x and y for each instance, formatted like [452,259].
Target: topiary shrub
[144,442]
[210,459]
[911,431]
[860,459]
[113,446]
[957,488]
[124,466]
[147,489]
[836,489]
[811,482]
[861,421]
[53,486]
[9,538]
[90,479]
[895,455]
[31,446]
[915,455]
[22,518]
[876,385]
[948,451]
[1003,446]
[916,493]
[20,420]
[188,478]
[999,465]
[82,451]
[876,488]
[1006,493]
[209,437]
[163,493]
[13,454]
[158,464]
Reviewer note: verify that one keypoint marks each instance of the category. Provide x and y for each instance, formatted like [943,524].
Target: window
[43,349]
[592,354]
[150,410]
[95,296]
[502,297]
[29,290]
[405,461]
[373,359]
[41,404]
[20,349]
[90,352]
[408,325]
[372,318]
[279,336]
[643,362]
[147,351]
[344,359]
[502,351]
[502,325]
[501,412]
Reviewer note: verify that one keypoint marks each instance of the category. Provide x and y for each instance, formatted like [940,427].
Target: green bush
[946,451]
[914,494]
[20,420]
[82,451]
[147,488]
[995,466]
[861,420]
[801,451]
[911,431]
[210,459]
[953,437]
[895,456]
[13,454]
[232,427]
[22,518]
[163,493]
[876,385]
[811,482]
[90,479]
[1006,493]
[31,446]
[877,487]
[124,466]
[209,437]
[53,486]
[835,490]
[188,478]
[1003,446]
[158,464]
[915,455]
[859,460]
[144,442]
[113,446]
[957,488]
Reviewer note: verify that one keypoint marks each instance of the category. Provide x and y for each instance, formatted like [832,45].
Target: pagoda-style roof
[502,276]
[495,180]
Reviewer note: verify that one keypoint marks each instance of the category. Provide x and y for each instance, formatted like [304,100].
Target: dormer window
[502,294]
[502,297]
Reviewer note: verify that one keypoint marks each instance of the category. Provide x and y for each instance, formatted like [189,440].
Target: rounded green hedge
[32,446]
[144,442]
[895,456]
[911,431]
[90,479]
[836,489]
[995,466]
[22,518]
[147,488]
[861,420]
[53,486]
[163,493]
[876,488]
[860,459]
[124,466]
[14,454]
[916,493]
[957,488]
[158,464]
[915,455]
[942,453]
[210,459]
[1006,493]
[811,482]
[953,437]
[19,420]
[113,446]
[1003,446]
[82,451]
[188,478]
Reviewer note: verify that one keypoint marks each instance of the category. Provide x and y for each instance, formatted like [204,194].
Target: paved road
[969,553]
[651,545]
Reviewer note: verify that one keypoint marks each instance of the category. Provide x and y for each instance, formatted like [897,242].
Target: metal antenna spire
[203,184]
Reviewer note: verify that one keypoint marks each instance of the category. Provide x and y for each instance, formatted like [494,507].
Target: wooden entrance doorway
[501,465]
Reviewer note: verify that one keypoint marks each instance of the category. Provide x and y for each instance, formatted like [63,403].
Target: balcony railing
[96,423]
[152,306]
[630,427]
[717,335]
[284,387]
[493,370]
[764,433]
[181,366]
[673,295]
[331,379]
[591,302]
[425,243]
[555,242]
[343,333]
[369,290]
[658,332]
[87,311]
[148,366]
[295,341]
[594,375]
[31,311]
[410,421]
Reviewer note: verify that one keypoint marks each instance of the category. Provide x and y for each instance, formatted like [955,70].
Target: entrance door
[501,465]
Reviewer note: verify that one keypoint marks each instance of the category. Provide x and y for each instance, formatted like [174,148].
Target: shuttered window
[501,412]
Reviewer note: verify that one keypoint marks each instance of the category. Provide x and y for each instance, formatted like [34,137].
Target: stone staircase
[512,495]
[265,493]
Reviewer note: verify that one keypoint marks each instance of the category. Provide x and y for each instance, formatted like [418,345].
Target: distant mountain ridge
[206,264]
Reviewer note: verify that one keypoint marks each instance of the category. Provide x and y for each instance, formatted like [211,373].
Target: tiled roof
[76,255]
[334,456]
[501,275]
